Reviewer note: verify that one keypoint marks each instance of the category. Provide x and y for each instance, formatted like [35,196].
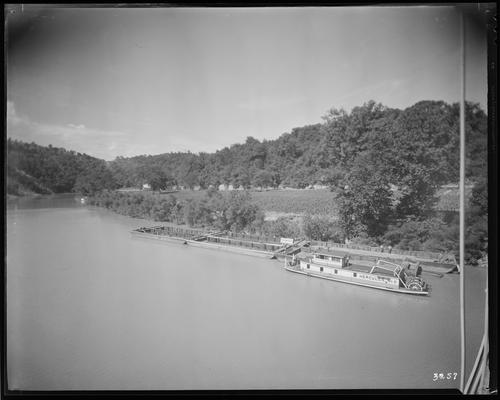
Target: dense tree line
[224,211]
[383,166]
[44,170]
[417,147]
[232,211]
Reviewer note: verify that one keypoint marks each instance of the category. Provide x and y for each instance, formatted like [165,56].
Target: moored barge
[383,274]
[209,240]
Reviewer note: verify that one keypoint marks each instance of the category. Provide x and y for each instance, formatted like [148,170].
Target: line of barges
[300,257]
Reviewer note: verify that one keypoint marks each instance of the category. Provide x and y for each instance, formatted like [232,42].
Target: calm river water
[91,308]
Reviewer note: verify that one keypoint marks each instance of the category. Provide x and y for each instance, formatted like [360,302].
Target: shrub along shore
[385,168]
[237,213]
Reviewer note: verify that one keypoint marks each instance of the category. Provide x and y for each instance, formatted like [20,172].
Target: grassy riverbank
[239,212]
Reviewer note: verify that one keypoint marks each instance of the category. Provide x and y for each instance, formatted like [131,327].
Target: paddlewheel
[417,284]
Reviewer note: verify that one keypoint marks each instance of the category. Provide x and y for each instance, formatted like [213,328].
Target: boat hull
[332,278]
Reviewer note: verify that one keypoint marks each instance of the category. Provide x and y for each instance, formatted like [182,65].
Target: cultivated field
[319,202]
[281,202]
[296,201]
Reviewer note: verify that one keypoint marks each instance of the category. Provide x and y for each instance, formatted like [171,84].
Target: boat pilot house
[331,260]
[327,263]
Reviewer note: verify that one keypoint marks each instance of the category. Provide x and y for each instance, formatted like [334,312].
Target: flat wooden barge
[263,247]
[210,240]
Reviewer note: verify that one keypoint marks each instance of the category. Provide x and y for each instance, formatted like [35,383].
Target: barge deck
[222,241]
[210,240]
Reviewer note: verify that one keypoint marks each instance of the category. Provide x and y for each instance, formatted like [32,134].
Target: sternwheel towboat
[383,274]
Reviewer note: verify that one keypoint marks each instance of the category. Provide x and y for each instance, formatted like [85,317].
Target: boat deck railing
[210,237]
[444,258]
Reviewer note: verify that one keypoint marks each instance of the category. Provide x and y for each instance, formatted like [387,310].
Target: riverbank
[143,302]
[33,195]
[271,248]
[13,197]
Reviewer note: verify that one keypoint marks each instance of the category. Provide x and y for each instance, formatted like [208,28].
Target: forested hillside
[384,168]
[392,141]
[38,169]
[414,147]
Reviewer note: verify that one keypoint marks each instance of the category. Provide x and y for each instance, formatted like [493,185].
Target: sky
[129,81]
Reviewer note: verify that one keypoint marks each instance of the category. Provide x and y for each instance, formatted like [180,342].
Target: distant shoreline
[38,195]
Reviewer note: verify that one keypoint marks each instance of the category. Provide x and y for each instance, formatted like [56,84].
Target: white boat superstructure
[381,275]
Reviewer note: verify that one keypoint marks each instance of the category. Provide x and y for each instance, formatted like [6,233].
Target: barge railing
[208,237]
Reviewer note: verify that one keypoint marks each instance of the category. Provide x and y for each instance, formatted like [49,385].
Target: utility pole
[462,200]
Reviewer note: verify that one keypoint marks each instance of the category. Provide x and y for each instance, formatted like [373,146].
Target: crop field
[289,201]
[187,194]
[318,202]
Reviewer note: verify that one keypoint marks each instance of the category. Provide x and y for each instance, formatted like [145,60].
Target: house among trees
[317,186]
[128,189]
[146,186]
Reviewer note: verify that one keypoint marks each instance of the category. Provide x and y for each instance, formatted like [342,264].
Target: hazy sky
[133,81]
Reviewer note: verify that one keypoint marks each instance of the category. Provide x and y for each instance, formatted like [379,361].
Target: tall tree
[420,134]
[364,199]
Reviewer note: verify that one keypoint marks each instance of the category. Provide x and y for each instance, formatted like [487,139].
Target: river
[91,308]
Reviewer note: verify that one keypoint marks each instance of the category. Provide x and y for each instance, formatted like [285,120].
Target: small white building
[146,186]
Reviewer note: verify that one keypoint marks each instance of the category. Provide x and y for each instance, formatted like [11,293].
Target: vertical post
[484,365]
[462,200]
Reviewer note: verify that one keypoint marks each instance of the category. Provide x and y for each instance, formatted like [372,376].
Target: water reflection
[69,200]
[89,308]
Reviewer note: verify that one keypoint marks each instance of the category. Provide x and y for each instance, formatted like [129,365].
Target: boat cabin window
[321,269]
[338,260]
[335,270]
[328,258]
[354,274]
[307,266]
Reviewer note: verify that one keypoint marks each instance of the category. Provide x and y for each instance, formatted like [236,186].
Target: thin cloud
[95,142]
[98,143]
[81,126]
[12,117]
